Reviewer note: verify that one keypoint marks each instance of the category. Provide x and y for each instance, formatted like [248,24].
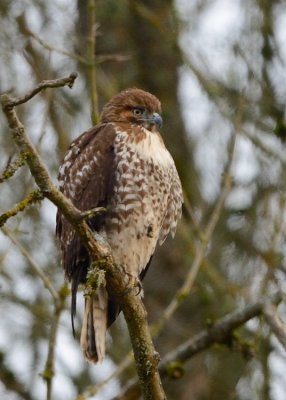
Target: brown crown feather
[128,99]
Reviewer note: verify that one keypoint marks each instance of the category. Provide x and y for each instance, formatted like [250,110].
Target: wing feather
[174,206]
[85,177]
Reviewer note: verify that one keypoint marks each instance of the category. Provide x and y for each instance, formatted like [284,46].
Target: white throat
[152,147]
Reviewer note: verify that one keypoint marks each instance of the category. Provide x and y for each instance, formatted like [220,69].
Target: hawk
[121,164]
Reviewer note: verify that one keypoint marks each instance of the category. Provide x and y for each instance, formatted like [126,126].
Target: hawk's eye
[138,111]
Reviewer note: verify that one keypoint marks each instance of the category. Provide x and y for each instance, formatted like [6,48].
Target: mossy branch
[34,197]
[13,167]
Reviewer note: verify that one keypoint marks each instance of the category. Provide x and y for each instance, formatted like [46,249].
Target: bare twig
[93,390]
[91,58]
[49,371]
[188,210]
[12,168]
[275,323]
[49,47]
[211,87]
[99,58]
[144,353]
[12,382]
[8,102]
[33,197]
[46,281]
[257,140]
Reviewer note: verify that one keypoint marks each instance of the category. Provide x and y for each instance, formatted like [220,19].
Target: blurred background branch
[91,51]
[219,332]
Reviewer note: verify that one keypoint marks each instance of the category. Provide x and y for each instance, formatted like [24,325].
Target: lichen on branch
[34,197]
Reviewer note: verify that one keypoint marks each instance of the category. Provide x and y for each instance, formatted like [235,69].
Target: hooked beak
[156,119]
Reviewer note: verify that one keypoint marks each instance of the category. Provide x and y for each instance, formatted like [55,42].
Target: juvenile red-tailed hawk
[123,165]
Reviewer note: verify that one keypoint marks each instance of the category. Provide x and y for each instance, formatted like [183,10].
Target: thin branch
[49,47]
[91,58]
[49,372]
[257,140]
[12,383]
[134,312]
[220,332]
[99,58]
[12,168]
[46,281]
[93,390]
[211,88]
[8,102]
[189,212]
[34,197]
[275,323]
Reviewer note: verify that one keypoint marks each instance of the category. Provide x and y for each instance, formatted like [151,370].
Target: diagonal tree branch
[91,57]
[145,356]
[82,60]
[34,197]
[11,382]
[220,332]
[46,281]
[275,323]
[9,102]
[12,168]
[49,371]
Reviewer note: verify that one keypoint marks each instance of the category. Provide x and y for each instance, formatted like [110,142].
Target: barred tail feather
[92,340]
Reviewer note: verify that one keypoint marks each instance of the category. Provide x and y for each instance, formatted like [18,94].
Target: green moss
[243,346]
[95,277]
[64,291]
[47,374]
[175,370]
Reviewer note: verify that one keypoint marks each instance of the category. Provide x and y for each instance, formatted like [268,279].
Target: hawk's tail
[92,339]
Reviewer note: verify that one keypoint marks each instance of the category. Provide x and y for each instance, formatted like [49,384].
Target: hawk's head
[134,106]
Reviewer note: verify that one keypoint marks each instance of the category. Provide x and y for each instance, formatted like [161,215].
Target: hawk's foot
[133,283]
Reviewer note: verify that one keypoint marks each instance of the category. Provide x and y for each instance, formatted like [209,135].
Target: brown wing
[174,206]
[85,177]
